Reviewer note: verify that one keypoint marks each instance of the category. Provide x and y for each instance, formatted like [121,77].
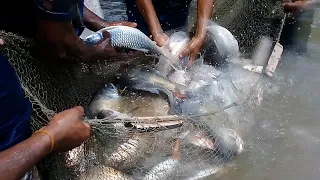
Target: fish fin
[121,91]
[140,49]
[176,150]
[179,95]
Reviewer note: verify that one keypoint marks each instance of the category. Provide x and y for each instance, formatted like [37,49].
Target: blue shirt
[15,109]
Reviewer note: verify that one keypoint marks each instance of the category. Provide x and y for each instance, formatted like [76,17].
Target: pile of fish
[198,146]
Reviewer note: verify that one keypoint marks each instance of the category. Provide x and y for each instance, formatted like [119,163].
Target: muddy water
[144,105]
[283,139]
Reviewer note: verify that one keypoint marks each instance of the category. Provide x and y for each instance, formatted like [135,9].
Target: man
[155,16]
[66,131]
[56,26]
[18,151]
[297,28]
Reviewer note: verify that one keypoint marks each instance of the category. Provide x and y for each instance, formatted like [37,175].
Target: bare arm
[67,130]
[205,10]
[18,160]
[147,10]
[95,23]
[56,36]
[58,39]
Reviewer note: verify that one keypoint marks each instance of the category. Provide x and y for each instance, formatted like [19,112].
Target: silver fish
[150,76]
[128,153]
[104,173]
[131,38]
[229,142]
[198,139]
[74,157]
[205,173]
[166,168]
[104,101]
[225,42]
[177,43]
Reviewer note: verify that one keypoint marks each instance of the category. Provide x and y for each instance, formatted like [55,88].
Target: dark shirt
[296,31]
[172,14]
[22,20]
[15,109]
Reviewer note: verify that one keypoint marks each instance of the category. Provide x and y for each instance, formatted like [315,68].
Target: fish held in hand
[177,43]
[130,38]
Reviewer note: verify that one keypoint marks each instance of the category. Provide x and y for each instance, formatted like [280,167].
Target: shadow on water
[284,141]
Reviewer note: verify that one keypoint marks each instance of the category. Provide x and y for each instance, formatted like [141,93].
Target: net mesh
[118,152]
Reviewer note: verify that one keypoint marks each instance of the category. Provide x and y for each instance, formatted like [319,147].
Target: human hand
[192,49]
[121,23]
[104,45]
[68,129]
[295,6]
[160,38]
[1,42]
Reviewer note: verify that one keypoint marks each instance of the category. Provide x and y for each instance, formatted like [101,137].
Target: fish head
[104,99]
[224,42]
[93,38]
[109,91]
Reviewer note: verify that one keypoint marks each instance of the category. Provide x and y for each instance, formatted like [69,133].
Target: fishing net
[197,146]
[248,20]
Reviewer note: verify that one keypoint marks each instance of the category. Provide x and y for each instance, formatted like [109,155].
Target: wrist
[43,142]
[200,35]
[156,33]
[201,31]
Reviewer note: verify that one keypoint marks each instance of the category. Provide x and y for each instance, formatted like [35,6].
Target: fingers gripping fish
[131,38]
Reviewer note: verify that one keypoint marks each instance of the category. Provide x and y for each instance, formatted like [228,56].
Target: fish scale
[131,38]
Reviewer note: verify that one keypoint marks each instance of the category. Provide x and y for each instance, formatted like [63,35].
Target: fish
[74,157]
[104,173]
[104,101]
[146,79]
[222,142]
[205,173]
[198,139]
[225,42]
[131,38]
[165,169]
[108,98]
[177,43]
[149,75]
[229,143]
[128,153]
